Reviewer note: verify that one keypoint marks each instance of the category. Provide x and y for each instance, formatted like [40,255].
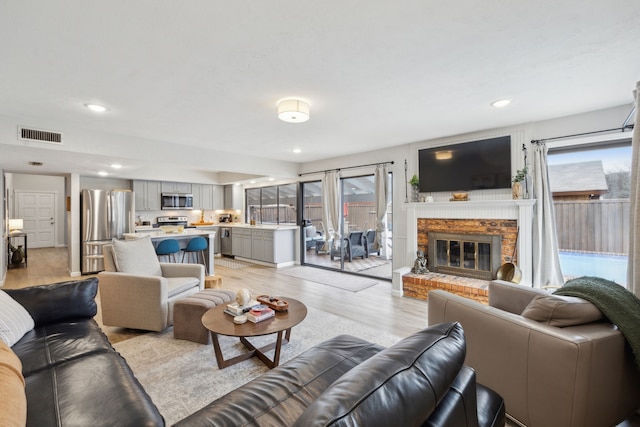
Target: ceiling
[206,75]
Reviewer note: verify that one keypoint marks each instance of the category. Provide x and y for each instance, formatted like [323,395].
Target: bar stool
[196,246]
[168,248]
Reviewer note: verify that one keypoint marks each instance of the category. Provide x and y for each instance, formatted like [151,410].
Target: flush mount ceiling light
[96,108]
[293,111]
[501,103]
[297,150]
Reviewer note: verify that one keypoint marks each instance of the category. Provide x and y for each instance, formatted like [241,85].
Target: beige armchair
[574,376]
[137,291]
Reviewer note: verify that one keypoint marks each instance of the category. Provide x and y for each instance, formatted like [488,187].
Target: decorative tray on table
[278,304]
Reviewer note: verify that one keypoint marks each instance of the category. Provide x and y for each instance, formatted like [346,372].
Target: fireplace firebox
[468,255]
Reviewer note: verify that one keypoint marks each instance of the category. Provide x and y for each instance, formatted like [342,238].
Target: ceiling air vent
[39,135]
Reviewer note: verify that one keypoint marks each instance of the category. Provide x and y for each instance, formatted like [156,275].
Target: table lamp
[16,225]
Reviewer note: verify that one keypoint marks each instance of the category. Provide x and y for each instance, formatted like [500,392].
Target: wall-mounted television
[476,165]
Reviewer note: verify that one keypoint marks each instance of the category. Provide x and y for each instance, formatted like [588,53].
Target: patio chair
[353,246]
[311,236]
[370,240]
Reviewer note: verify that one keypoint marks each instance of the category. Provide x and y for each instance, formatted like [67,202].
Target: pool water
[610,267]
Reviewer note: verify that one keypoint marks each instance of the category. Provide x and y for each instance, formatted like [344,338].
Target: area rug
[347,282]
[182,377]
[231,263]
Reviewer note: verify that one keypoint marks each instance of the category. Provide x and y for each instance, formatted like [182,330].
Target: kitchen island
[183,239]
[273,245]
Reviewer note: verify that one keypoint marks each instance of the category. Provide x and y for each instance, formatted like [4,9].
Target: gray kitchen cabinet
[266,245]
[202,196]
[217,197]
[147,195]
[176,187]
[258,245]
[241,243]
[233,196]
[273,246]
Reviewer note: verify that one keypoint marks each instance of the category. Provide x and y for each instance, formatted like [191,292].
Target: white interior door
[37,209]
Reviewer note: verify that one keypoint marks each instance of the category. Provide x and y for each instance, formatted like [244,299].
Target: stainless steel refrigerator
[106,214]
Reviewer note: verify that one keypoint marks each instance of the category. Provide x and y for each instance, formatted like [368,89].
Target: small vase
[415,194]
[516,190]
[18,255]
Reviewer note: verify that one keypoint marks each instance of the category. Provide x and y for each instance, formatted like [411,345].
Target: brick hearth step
[419,285]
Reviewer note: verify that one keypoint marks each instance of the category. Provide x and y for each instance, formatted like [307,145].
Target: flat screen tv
[477,165]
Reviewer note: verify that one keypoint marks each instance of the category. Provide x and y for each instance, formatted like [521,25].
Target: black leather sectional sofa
[346,381]
[75,378]
[73,375]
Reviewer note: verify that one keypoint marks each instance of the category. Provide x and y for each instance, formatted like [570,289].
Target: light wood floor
[373,306]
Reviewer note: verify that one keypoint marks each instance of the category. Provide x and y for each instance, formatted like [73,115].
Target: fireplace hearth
[468,255]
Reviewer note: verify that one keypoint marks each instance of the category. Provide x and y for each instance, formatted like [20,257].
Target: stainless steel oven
[176,201]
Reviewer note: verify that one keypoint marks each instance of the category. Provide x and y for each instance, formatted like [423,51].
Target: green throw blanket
[619,305]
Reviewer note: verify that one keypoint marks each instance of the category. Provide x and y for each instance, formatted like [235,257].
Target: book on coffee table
[263,313]
[235,309]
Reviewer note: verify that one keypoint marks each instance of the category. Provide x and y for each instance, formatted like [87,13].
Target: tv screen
[476,165]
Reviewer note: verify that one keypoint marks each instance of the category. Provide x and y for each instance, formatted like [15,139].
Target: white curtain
[382,201]
[633,269]
[331,208]
[546,261]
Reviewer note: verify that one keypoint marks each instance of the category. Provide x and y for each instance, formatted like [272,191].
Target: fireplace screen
[468,255]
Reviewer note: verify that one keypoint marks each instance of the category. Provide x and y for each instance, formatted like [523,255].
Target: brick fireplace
[500,218]
[498,235]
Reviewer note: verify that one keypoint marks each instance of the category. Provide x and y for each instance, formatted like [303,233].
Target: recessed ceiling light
[116,166]
[297,150]
[102,173]
[96,108]
[252,182]
[272,179]
[501,103]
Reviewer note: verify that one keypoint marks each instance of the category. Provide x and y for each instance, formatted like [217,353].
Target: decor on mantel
[459,196]
[518,179]
[415,188]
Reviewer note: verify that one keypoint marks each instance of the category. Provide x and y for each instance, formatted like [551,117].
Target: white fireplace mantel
[520,210]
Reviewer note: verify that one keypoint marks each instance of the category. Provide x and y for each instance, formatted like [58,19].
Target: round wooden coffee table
[221,323]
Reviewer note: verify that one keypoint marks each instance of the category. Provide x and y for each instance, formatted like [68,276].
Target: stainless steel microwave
[177,201]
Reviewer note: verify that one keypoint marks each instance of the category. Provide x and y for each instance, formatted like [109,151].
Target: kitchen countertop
[205,229]
[157,233]
[259,226]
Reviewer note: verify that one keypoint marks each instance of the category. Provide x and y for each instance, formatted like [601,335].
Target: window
[272,205]
[591,187]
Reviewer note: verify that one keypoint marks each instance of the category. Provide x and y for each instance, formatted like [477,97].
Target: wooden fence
[593,225]
[360,216]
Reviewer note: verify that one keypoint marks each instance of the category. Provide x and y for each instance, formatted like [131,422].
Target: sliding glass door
[363,248]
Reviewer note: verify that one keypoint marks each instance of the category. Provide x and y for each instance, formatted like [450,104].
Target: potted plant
[415,187]
[516,188]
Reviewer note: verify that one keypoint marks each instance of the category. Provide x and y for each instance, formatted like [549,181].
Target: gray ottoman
[187,314]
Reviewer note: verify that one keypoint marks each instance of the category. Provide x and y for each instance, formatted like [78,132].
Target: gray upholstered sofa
[572,376]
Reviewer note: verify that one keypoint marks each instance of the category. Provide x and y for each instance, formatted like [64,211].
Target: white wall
[93,183]
[5,230]
[404,256]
